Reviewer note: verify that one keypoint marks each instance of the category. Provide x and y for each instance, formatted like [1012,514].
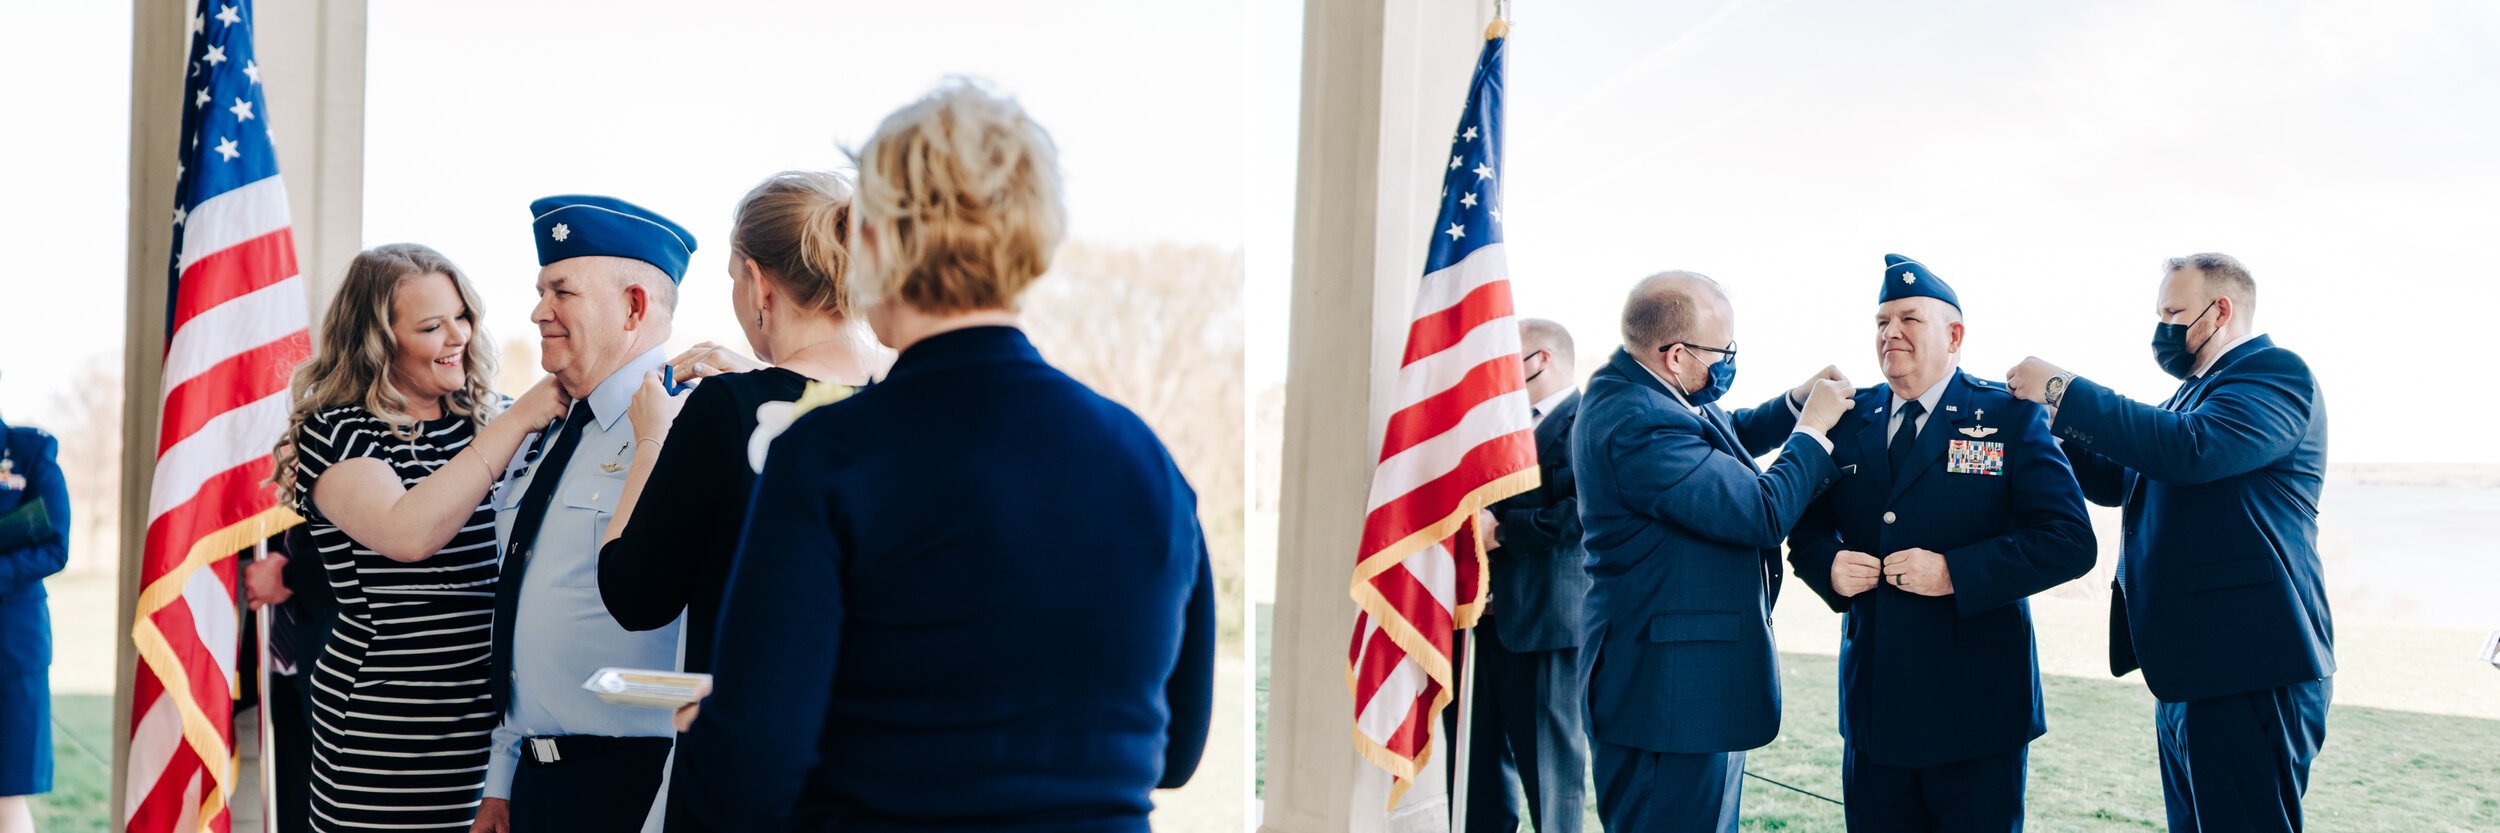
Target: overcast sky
[2043,158]
[475,108]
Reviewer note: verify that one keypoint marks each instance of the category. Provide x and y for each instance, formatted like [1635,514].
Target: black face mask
[2170,344]
[1523,362]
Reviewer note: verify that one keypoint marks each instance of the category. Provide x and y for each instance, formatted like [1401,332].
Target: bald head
[1540,334]
[1678,308]
[1670,307]
[1546,356]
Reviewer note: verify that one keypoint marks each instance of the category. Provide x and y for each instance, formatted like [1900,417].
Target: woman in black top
[787,263]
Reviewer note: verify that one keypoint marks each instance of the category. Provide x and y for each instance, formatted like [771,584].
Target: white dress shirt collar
[1545,408]
[1671,390]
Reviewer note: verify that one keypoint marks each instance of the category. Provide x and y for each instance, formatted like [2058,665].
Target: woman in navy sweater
[974,596]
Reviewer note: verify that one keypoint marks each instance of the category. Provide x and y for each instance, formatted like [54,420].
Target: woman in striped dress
[394,446]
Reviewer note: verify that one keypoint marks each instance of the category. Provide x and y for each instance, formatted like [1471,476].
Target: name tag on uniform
[1976,457]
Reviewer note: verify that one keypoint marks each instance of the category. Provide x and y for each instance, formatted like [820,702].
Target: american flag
[235,323]
[1460,439]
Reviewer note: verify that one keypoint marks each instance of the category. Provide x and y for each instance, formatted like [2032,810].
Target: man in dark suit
[2218,595]
[1526,699]
[1683,534]
[1954,505]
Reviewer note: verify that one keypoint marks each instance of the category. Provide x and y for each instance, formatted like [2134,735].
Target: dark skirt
[25,732]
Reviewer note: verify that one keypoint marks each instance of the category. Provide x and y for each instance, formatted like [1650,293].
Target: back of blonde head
[961,192]
[352,367]
[796,227]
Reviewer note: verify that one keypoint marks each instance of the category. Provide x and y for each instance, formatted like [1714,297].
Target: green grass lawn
[84,638]
[1213,802]
[2381,769]
[82,748]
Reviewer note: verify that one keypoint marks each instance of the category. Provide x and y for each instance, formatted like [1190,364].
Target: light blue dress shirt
[564,633]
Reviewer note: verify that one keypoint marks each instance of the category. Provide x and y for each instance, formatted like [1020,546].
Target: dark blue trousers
[595,784]
[1639,791]
[1526,717]
[1979,795]
[2239,763]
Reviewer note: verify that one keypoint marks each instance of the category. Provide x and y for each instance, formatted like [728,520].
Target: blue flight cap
[577,225]
[1906,278]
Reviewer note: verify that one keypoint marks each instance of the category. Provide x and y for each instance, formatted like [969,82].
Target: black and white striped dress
[401,708]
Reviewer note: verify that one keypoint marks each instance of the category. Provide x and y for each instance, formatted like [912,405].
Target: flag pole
[268,741]
[1462,745]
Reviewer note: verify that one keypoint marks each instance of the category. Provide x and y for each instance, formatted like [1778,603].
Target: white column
[314,54]
[1382,85]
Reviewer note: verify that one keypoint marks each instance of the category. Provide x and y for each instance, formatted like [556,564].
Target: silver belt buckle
[544,749]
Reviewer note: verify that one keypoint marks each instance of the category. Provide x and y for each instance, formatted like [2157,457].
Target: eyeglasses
[1729,351]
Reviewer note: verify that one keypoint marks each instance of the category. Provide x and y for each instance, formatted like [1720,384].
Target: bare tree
[1159,329]
[91,458]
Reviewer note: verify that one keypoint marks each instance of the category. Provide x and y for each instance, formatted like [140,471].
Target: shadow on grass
[2381,770]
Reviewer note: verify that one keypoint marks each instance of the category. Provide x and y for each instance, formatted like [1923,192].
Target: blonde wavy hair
[961,191]
[353,363]
[796,225]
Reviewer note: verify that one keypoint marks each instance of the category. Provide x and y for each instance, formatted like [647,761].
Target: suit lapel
[1726,434]
[1720,437]
[2195,393]
[2192,392]
[1555,431]
[1935,435]
[1874,464]
[2178,398]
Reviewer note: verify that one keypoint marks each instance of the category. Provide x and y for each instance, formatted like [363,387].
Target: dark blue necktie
[1905,438]
[549,471]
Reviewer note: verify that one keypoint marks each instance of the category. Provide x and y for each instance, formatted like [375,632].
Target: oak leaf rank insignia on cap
[1906,278]
[582,225]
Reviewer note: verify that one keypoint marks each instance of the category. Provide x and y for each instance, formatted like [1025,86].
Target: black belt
[551,750]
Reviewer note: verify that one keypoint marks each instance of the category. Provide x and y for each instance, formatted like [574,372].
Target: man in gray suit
[1526,715]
